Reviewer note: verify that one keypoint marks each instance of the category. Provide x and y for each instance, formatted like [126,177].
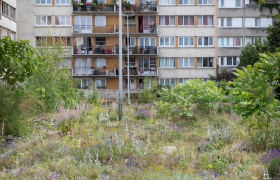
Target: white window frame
[13,35]
[166,2]
[208,2]
[188,2]
[207,21]
[164,41]
[102,20]
[169,21]
[99,79]
[223,61]
[168,61]
[60,20]
[58,2]
[41,2]
[203,41]
[83,28]
[208,62]
[184,60]
[130,42]
[169,82]
[184,40]
[144,41]
[131,63]
[100,59]
[223,41]
[47,21]
[87,82]
[260,21]
[184,21]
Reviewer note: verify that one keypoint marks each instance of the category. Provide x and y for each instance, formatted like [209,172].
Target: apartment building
[8,19]
[169,40]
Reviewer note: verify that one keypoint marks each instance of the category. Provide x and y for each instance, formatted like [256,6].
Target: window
[204,2]
[237,3]
[13,35]
[131,41]
[100,20]
[205,62]
[43,21]
[82,66]
[236,41]
[229,22]
[230,42]
[167,82]
[147,64]
[67,63]
[252,40]
[65,41]
[100,62]
[4,32]
[222,22]
[186,62]
[186,41]
[166,62]
[183,80]
[5,8]
[131,1]
[146,41]
[44,2]
[167,20]
[167,41]
[83,24]
[257,21]
[62,2]
[185,2]
[83,83]
[100,83]
[229,61]
[166,2]
[12,12]
[63,20]
[204,41]
[222,3]
[100,41]
[41,41]
[131,62]
[131,20]
[204,20]
[186,20]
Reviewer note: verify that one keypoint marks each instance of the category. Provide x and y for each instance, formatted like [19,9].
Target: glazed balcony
[151,7]
[114,29]
[114,71]
[113,50]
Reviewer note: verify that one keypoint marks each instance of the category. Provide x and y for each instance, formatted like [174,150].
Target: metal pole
[120,60]
[128,96]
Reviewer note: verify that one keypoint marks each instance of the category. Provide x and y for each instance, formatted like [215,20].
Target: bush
[272,159]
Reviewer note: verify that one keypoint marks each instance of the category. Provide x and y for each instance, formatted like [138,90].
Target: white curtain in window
[199,20]
[100,62]
[210,20]
[199,62]
[100,20]
[171,20]
[162,20]
[172,62]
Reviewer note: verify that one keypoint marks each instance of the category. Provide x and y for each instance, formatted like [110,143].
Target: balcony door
[147,24]
[147,64]
[83,66]
[83,24]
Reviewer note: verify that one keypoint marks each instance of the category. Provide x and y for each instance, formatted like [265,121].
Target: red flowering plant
[104,67]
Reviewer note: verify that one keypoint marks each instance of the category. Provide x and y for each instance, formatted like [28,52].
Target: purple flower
[271,154]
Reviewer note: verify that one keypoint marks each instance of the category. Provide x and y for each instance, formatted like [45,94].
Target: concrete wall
[187,52]
[6,21]
[186,72]
[186,31]
[230,51]
[186,10]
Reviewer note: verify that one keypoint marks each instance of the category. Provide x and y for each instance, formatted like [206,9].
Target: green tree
[254,93]
[273,37]
[17,60]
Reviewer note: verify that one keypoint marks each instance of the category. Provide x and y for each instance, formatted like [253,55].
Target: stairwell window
[186,62]
[167,82]
[43,20]
[63,20]
[62,2]
[166,62]
[204,41]
[167,41]
[186,2]
[205,62]
[166,2]
[44,2]
[204,2]
[186,42]
[167,20]
[205,20]
[186,20]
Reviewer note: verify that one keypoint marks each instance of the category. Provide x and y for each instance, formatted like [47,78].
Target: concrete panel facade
[186,72]
[186,31]
[186,10]
[229,51]
[227,32]
[187,52]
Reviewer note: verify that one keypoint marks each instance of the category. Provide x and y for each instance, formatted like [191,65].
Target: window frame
[14,10]
[41,40]
[95,21]
[165,41]
[207,20]
[160,2]
[184,3]
[96,79]
[169,21]
[188,59]
[169,81]
[189,17]
[130,44]
[258,19]
[42,21]
[7,31]
[144,41]
[50,2]
[65,19]
[223,61]
[14,33]
[62,4]
[4,8]
[208,62]
[167,59]
[66,64]
[66,37]
[189,37]
[203,41]
[99,41]
[202,2]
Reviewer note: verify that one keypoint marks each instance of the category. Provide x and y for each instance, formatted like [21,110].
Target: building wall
[6,21]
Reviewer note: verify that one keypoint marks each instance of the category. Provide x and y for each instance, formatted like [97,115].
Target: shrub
[272,159]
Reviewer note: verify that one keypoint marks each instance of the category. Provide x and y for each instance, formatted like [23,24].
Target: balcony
[110,7]
[114,29]
[114,71]
[113,50]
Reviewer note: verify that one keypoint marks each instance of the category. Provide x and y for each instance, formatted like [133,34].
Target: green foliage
[273,37]
[250,53]
[253,93]
[273,168]
[17,60]
[149,94]
[54,85]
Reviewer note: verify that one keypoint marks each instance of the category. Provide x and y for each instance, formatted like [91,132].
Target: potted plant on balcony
[104,67]
[100,6]
[93,6]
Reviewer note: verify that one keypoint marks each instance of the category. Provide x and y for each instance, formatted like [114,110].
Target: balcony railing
[114,29]
[114,71]
[113,50]
[110,7]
